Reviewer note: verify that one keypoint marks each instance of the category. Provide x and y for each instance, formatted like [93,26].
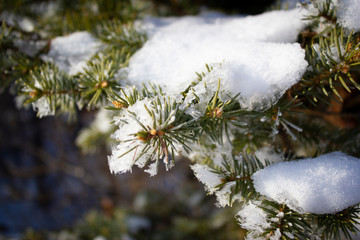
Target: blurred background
[50,189]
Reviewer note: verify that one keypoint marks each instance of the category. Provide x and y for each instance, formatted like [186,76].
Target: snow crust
[323,185]
[70,53]
[257,56]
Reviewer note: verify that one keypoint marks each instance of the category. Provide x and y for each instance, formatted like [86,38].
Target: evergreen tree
[271,127]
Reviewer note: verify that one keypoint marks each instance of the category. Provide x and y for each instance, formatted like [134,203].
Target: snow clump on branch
[257,56]
[323,185]
[70,53]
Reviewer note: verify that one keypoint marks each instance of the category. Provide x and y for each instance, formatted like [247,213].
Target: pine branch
[50,90]
[290,224]
[15,63]
[73,16]
[98,134]
[333,64]
[98,80]
[339,225]
[322,15]
[152,130]
[240,171]
[120,35]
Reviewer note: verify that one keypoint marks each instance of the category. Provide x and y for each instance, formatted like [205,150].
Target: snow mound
[70,53]
[256,51]
[323,185]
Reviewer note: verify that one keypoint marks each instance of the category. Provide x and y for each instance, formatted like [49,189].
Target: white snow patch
[26,24]
[268,154]
[251,217]
[224,194]
[100,237]
[102,121]
[128,126]
[205,175]
[42,105]
[257,57]
[119,161]
[290,4]
[130,149]
[43,108]
[153,169]
[30,48]
[137,223]
[70,53]
[199,152]
[323,185]
[211,180]
[348,14]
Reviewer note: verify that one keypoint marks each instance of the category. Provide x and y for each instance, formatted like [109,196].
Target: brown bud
[142,138]
[33,93]
[345,68]
[218,112]
[118,104]
[104,84]
[153,132]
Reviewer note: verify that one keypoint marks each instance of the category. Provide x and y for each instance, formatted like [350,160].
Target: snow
[42,105]
[253,218]
[126,135]
[348,14]
[131,149]
[99,238]
[323,185]
[216,154]
[212,180]
[276,67]
[29,47]
[26,24]
[223,195]
[153,169]
[266,153]
[129,126]
[206,175]
[70,53]
[137,223]
[103,121]
[46,9]
[290,4]
[43,108]
[253,55]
